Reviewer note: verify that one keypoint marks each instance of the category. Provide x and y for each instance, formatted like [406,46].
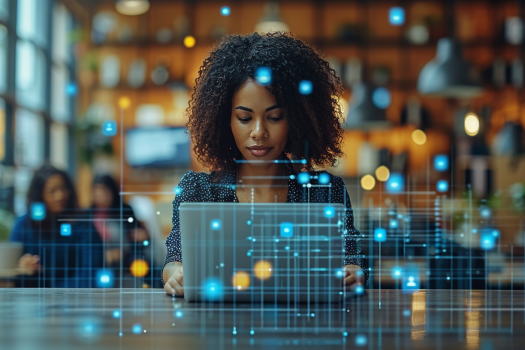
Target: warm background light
[124,102]
[262,270]
[189,41]
[419,137]
[139,268]
[471,124]
[241,280]
[368,182]
[382,173]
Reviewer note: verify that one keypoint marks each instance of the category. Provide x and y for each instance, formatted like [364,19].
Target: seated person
[257,132]
[60,251]
[106,215]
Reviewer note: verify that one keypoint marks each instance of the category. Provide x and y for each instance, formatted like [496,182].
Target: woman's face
[102,197]
[259,125]
[55,194]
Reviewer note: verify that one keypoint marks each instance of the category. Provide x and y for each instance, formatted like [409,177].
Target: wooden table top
[149,319]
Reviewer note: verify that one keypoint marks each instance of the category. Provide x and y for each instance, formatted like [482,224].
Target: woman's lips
[259,151]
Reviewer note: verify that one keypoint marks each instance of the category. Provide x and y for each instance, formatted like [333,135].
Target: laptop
[10,253]
[263,252]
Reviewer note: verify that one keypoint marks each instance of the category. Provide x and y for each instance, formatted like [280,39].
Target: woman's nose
[259,131]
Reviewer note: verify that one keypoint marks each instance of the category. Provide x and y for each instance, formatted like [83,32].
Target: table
[148,319]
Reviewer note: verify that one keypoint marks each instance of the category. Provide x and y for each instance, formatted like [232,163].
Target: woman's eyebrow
[251,110]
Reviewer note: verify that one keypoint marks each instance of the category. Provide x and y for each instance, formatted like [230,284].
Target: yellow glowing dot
[241,280]
[368,182]
[382,173]
[124,102]
[419,137]
[262,270]
[189,41]
[471,124]
[139,268]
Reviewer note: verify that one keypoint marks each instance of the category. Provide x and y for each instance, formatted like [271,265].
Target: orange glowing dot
[262,270]
[124,102]
[139,268]
[241,280]
[189,41]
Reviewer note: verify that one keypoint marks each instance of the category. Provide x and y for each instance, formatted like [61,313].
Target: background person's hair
[35,193]
[315,120]
[109,182]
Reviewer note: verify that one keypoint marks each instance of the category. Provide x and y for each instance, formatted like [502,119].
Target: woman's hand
[29,264]
[354,277]
[174,285]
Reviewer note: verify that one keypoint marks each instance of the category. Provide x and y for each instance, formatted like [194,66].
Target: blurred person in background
[106,215]
[60,250]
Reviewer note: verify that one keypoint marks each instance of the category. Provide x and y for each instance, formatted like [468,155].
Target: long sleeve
[187,191]
[91,259]
[353,252]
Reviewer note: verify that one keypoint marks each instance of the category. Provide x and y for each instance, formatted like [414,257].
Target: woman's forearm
[169,269]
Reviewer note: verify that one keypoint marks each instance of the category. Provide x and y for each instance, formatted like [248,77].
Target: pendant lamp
[449,74]
[132,7]
[363,112]
[271,21]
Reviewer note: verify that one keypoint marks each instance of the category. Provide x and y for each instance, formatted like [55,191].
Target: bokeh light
[368,182]
[324,178]
[380,235]
[263,75]
[225,11]
[105,278]
[419,137]
[109,128]
[124,102]
[262,270]
[395,183]
[381,98]
[441,162]
[65,229]
[471,124]
[382,173]
[189,41]
[139,268]
[303,177]
[38,211]
[137,329]
[396,16]
[71,89]
[361,340]
[215,224]
[442,186]
[212,289]
[286,229]
[241,280]
[305,87]
[329,212]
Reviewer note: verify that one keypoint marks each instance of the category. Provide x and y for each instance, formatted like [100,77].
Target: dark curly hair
[315,119]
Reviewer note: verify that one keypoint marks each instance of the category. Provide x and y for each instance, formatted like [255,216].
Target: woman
[107,217]
[240,111]
[60,250]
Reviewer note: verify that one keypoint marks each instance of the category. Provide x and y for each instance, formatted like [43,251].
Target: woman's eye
[243,120]
[276,118]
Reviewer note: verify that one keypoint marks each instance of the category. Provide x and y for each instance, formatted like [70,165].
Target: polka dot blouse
[198,187]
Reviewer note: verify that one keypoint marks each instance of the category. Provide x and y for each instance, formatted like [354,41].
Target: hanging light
[363,113]
[271,20]
[471,124]
[449,75]
[132,7]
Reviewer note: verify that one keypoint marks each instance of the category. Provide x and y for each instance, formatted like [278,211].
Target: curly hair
[315,132]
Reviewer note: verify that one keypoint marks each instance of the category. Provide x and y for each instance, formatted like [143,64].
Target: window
[3,58]
[30,75]
[32,21]
[59,146]
[4,10]
[2,129]
[29,139]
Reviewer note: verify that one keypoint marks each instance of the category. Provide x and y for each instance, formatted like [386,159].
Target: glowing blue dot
[329,212]
[215,224]
[396,272]
[263,75]
[303,177]
[146,243]
[395,183]
[286,248]
[380,235]
[177,190]
[252,332]
[105,279]
[441,162]
[442,186]
[381,98]
[360,340]
[212,289]
[345,334]
[88,328]
[65,229]
[394,223]
[406,313]
[249,222]
[38,211]
[116,314]
[485,213]
[71,89]
[109,128]
[359,290]
[225,11]
[339,273]
[234,332]
[324,178]
[286,229]
[295,254]
[292,177]
[397,16]
[312,314]
[178,314]
[137,329]
[495,233]
[305,87]
[303,161]
[249,253]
